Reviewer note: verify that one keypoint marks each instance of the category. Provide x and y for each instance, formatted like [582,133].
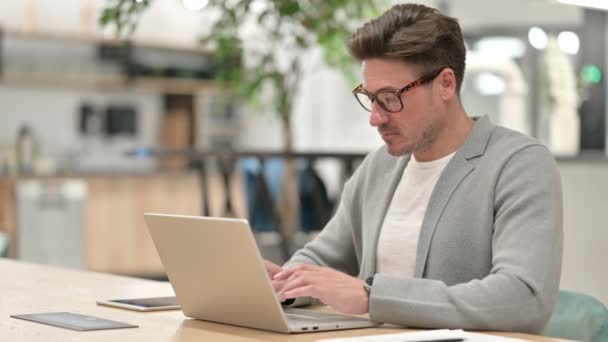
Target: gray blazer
[490,246]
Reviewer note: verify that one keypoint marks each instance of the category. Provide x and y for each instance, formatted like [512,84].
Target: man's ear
[447,82]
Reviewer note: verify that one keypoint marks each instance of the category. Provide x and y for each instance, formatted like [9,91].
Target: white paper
[427,335]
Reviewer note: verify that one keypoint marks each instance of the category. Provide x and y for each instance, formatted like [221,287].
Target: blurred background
[97,128]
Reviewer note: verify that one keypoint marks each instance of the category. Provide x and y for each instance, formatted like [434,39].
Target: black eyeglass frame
[398,93]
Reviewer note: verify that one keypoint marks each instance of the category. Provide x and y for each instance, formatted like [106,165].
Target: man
[455,223]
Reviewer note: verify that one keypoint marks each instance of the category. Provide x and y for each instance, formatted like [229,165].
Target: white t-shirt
[398,239]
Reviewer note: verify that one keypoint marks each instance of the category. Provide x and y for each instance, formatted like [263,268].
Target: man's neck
[453,135]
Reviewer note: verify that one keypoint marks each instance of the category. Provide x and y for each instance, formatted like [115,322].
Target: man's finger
[295,281]
[278,285]
[286,273]
[272,268]
[308,279]
[302,291]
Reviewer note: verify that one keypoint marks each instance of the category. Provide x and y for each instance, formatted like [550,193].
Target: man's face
[414,128]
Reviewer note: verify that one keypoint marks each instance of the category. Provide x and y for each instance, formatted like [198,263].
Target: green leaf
[107,15]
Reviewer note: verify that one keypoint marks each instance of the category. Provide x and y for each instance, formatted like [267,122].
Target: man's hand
[339,290]
[272,270]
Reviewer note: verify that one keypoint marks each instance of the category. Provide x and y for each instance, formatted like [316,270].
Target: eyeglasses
[390,100]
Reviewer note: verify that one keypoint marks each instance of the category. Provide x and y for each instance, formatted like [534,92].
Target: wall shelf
[72,61]
[155,84]
[63,37]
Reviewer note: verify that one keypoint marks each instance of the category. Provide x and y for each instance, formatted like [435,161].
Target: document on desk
[443,335]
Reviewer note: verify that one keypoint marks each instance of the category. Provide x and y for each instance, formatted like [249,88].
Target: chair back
[578,317]
[4,245]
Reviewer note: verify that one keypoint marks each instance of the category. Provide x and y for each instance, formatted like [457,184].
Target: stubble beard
[426,141]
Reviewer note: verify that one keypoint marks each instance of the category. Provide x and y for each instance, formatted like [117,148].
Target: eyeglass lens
[388,101]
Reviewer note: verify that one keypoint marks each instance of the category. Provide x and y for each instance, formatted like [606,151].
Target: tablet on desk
[143,304]
[74,321]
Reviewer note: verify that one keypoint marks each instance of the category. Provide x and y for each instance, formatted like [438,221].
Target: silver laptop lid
[216,270]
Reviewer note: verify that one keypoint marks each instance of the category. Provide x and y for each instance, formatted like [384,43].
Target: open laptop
[218,275]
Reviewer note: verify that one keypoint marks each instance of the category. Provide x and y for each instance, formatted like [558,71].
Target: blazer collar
[479,136]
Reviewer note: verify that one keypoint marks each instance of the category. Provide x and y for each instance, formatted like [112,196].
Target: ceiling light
[195,5]
[568,42]
[597,4]
[537,37]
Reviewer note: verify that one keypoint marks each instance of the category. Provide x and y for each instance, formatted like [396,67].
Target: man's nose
[378,116]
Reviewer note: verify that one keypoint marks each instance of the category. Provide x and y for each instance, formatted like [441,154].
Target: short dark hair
[415,34]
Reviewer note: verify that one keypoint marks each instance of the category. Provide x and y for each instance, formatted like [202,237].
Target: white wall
[585,191]
[53,115]
[327,115]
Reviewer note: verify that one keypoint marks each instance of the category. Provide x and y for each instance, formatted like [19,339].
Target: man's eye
[388,98]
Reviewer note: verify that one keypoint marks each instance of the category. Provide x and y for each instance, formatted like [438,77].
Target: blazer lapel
[387,184]
[456,170]
[452,175]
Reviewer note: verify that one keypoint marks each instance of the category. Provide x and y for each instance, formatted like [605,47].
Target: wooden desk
[28,288]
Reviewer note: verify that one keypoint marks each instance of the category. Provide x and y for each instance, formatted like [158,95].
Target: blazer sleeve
[335,245]
[520,292]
